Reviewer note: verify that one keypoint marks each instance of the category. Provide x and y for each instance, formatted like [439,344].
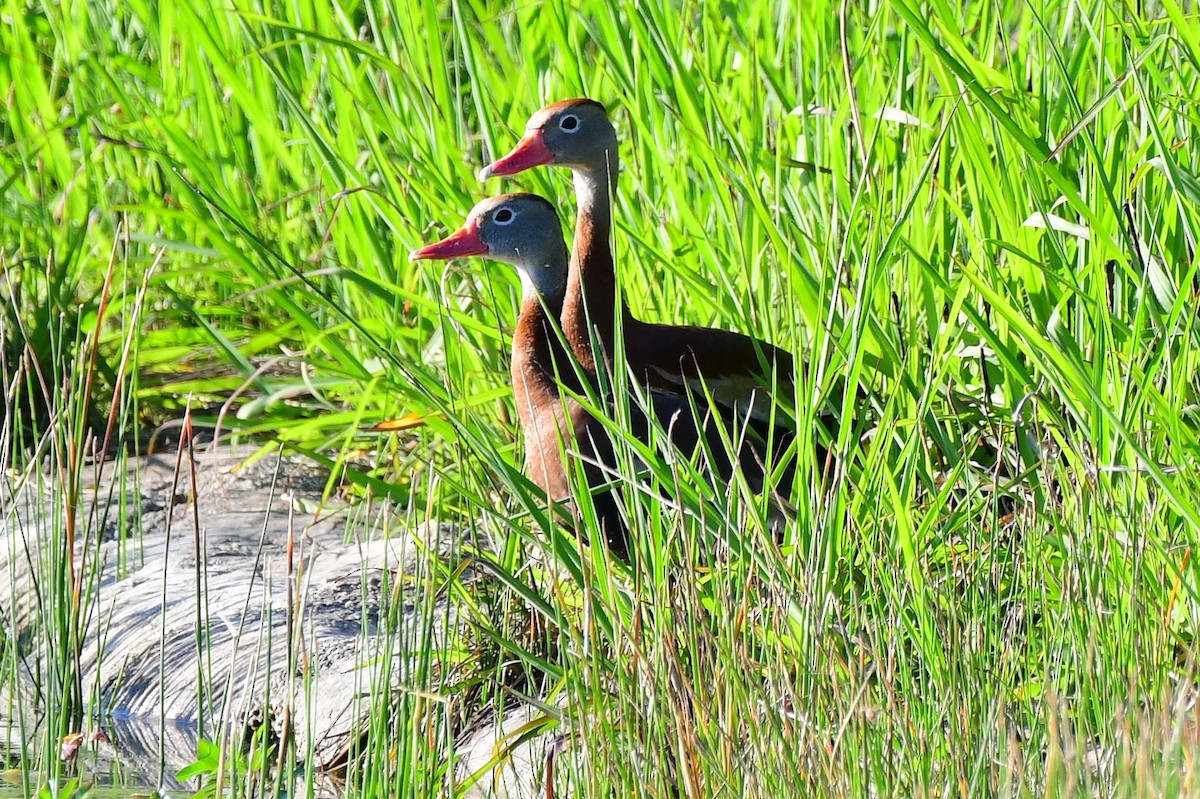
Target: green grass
[264,169]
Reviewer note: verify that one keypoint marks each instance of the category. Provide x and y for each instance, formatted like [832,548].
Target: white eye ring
[508,220]
[562,123]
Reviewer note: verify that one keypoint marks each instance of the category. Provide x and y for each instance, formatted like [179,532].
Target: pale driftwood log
[143,667]
[141,658]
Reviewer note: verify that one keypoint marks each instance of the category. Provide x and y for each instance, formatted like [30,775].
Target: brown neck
[539,361]
[592,280]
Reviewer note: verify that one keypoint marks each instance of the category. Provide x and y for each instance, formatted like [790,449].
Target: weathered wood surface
[142,662]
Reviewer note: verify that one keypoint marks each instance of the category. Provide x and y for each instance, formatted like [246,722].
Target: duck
[524,231]
[739,371]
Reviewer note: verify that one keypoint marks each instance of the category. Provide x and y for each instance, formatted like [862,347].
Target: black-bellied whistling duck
[578,134]
[523,230]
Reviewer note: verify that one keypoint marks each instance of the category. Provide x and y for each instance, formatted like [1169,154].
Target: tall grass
[984,217]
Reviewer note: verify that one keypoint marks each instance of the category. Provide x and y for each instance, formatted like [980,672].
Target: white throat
[542,280]
[591,187]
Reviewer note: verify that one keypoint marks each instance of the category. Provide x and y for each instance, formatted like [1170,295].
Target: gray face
[579,134]
[523,230]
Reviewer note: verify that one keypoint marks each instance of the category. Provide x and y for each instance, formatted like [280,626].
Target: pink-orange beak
[530,151]
[464,241]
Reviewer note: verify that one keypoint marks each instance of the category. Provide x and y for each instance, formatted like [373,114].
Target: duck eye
[569,123]
[503,217]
